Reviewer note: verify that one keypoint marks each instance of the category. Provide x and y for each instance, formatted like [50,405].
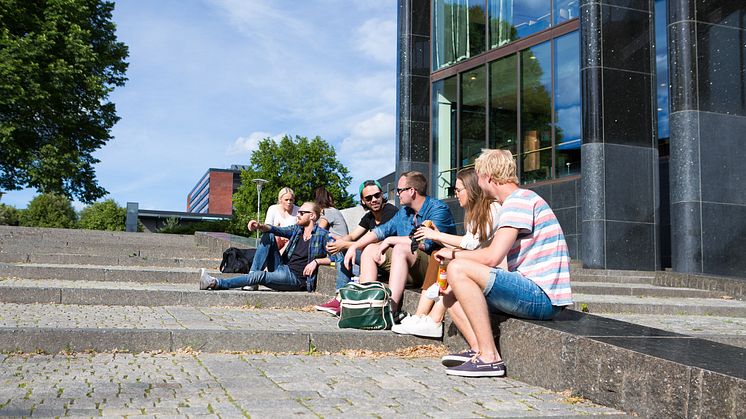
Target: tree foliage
[9,215]
[300,164]
[49,210]
[59,60]
[106,215]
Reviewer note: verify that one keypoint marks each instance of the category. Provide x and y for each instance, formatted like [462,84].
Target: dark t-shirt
[368,222]
[299,259]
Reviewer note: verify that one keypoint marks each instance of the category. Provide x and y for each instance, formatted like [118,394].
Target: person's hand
[379,257]
[423,233]
[350,257]
[442,254]
[312,265]
[336,246]
[253,225]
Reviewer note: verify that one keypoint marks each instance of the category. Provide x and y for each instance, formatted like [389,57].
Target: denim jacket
[405,221]
[316,249]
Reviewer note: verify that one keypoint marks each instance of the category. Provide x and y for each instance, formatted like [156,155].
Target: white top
[275,217]
[470,241]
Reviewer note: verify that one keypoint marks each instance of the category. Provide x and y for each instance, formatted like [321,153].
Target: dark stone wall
[413,100]
[619,194]
[707,60]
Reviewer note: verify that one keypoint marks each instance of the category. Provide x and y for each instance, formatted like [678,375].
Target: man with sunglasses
[391,246]
[379,211]
[295,269]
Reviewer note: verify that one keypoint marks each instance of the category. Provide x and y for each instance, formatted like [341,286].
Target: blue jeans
[344,275]
[277,276]
[514,294]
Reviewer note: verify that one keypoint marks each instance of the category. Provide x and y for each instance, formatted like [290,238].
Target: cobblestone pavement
[169,317]
[263,385]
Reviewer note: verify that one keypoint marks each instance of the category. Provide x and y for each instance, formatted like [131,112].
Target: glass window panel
[536,113]
[504,104]
[661,68]
[565,10]
[444,107]
[473,114]
[459,31]
[530,17]
[502,29]
[567,134]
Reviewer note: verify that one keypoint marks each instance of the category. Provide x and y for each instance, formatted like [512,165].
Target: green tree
[59,60]
[9,215]
[49,210]
[106,215]
[300,164]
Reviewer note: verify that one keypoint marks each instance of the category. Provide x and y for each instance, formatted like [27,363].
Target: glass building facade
[505,74]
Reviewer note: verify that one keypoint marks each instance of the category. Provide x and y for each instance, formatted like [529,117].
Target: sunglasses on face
[302,213]
[369,198]
[400,190]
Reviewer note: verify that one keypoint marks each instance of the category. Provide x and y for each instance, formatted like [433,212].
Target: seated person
[282,214]
[295,269]
[390,245]
[481,218]
[379,211]
[536,284]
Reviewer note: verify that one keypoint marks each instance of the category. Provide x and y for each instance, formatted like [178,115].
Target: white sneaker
[206,282]
[411,319]
[425,327]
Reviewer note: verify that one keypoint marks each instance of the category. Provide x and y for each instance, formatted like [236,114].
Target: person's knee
[455,270]
[369,252]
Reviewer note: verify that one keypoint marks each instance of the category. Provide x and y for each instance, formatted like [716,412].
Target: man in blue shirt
[390,246]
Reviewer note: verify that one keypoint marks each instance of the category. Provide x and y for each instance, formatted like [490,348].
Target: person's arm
[368,238]
[271,214]
[489,256]
[424,233]
[345,241]
[324,223]
[314,264]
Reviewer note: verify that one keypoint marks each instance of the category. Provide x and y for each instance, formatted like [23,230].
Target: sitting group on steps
[513,258]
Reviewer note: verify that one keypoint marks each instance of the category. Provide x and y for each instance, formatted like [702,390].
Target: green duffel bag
[365,306]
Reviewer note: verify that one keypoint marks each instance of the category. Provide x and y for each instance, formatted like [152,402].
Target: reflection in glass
[565,10]
[536,113]
[503,104]
[661,70]
[502,30]
[530,17]
[444,107]
[473,114]
[567,104]
[459,31]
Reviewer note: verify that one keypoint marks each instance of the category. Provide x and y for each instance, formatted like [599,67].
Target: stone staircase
[72,290]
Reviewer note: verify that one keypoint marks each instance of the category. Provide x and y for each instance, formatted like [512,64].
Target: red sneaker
[331,307]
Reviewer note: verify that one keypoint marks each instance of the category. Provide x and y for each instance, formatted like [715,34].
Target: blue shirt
[405,221]
[316,249]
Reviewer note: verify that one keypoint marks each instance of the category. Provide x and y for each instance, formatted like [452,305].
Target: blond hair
[282,193]
[498,165]
[416,180]
[315,208]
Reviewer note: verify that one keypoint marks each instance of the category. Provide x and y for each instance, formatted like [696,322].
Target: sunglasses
[369,198]
[400,190]
[302,213]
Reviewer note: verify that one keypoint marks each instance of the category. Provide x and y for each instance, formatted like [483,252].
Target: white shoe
[425,327]
[411,319]
[206,282]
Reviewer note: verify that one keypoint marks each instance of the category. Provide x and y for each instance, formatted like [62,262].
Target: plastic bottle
[442,277]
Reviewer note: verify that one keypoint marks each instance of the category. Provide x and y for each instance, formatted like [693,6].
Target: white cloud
[376,38]
[246,145]
[369,149]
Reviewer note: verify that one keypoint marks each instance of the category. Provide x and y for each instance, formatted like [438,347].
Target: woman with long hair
[331,218]
[480,221]
[282,214]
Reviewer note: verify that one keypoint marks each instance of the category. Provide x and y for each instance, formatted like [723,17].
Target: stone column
[707,59]
[619,200]
[413,87]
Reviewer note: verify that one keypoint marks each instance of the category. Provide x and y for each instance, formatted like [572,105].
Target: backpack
[365,306]
[237,260]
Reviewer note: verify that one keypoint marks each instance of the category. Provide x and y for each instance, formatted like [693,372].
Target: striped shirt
[540,252]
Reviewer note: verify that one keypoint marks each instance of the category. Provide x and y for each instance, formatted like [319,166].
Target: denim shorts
[514,294]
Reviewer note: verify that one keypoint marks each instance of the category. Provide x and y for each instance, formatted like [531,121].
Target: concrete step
[89,259]
[727,330]
[10,234]
[657,305]
[582,276]
[113,249]
[58,327]
[186,275]
[641,290]
[81,292]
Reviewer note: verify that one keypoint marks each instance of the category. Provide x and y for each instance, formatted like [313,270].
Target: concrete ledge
[642,370]
[53,340]
[373,340]
[240,340]
[218,242]
[735,287]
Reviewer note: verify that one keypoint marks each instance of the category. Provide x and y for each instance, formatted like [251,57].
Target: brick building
[213,193]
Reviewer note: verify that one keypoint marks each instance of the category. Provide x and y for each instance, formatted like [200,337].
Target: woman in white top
[481,221]
[282,214]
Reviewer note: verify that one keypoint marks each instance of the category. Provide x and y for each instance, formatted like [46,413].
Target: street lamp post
[259,185]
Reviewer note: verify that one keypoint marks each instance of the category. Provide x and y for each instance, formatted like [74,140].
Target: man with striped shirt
[535,286]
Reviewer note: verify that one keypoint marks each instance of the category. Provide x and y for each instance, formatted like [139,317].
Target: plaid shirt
[316,249]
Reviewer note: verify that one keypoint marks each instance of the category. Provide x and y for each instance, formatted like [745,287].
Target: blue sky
[209,78]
